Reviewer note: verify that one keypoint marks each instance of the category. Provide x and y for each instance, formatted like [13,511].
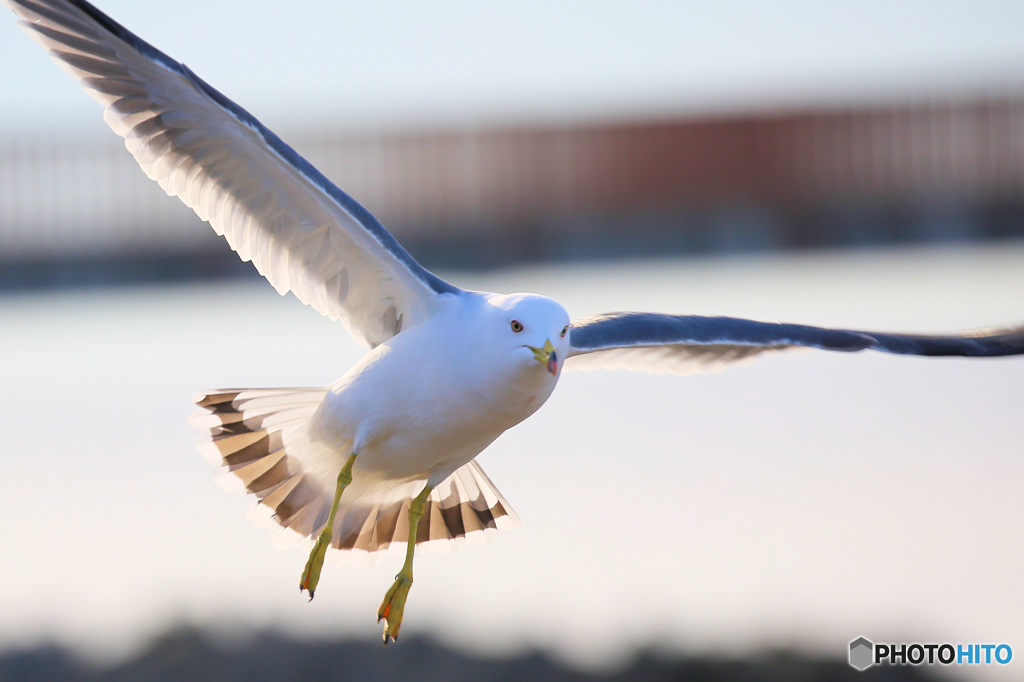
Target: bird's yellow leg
[311,576]
[393,606]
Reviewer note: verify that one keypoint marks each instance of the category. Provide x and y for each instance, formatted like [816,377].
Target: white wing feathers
[678,359]
[300,231]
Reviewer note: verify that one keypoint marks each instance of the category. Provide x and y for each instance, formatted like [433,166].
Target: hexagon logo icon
[862,653]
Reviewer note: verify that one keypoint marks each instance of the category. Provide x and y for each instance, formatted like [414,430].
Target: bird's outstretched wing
[300,231]
[682,344]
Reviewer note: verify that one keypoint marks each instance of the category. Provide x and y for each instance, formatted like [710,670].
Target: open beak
[547,357]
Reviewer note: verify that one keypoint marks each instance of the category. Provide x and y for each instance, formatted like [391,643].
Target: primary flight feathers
[687,343]
[274,208]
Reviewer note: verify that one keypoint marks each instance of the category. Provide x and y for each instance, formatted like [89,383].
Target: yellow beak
[547,356]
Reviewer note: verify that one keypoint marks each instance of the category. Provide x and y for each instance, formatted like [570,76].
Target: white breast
[430,399]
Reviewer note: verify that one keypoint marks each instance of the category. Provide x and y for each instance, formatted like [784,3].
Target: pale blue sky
[734,511]
[364,63]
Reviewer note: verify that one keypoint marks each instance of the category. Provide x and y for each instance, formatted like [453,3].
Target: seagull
[386,454]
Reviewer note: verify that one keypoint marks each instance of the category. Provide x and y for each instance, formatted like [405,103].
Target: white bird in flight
[385,454]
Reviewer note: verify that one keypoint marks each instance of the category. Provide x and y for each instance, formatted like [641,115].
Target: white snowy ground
[801,500]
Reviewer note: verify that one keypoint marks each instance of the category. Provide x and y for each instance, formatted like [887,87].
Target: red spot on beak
[553,364]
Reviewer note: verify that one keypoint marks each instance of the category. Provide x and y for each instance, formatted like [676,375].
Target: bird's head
[534,328]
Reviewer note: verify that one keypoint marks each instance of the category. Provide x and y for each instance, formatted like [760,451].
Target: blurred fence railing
[930,170]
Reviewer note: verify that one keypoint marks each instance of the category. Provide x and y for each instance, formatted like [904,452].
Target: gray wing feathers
[691,343]
[300,231]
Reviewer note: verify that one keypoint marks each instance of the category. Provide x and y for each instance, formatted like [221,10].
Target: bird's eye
[565,330]
[517,326]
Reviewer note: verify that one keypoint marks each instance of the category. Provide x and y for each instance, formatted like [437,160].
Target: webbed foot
[315,563]
[393,607]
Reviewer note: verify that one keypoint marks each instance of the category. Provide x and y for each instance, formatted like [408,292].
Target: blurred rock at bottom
[191,655]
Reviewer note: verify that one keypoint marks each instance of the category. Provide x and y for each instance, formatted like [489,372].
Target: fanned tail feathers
[257,436]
